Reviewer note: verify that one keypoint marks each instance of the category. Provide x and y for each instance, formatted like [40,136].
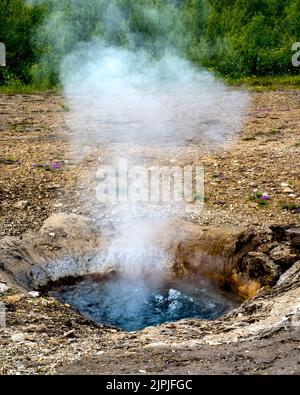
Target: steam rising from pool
[128,99]
[117,96]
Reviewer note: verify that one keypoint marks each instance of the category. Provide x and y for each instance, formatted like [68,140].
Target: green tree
[17,23]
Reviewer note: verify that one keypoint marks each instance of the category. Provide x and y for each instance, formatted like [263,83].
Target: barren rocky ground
[264,158]
[41,175]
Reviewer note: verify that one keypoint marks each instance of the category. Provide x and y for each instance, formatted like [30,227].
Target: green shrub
[238,39]
[18,21]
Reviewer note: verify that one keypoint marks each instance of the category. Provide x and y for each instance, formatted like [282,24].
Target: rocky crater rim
[70,246]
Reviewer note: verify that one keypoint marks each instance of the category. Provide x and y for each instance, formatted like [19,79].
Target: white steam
[120,96]
[130,97]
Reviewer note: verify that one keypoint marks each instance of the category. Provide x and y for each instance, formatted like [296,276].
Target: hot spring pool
[133,304]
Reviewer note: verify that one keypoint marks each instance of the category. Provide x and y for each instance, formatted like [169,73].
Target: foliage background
[234,38]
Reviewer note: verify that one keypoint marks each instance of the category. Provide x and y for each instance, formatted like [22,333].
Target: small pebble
[3,288]
[18,338]
[21,205]
[58,205]
[287,190]
[285,184]
[34,294]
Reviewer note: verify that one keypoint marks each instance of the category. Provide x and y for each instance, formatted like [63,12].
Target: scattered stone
[58,205]
[158,345]
[21,205]
[287,190]
[52,234]
[283,255]
[69,333]
[3,288]
[285,184]
[18,338]
[34,294]
[53,186]
[42,328]
[213,342]
[293,236]
[14,298]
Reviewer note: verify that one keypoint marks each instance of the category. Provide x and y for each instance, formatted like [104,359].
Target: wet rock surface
[262,336]
[72,246]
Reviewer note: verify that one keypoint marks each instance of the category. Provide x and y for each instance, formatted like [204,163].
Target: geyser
[142,281]
[134,93]
[133,304]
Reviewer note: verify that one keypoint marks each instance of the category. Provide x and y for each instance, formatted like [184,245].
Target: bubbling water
[133,304]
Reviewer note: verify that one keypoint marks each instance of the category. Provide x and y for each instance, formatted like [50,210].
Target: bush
[246,37]
[236,38]
[18,21]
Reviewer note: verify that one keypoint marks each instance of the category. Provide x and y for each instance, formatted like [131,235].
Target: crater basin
[133,304]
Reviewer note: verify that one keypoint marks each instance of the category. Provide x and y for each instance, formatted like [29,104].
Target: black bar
[139,384]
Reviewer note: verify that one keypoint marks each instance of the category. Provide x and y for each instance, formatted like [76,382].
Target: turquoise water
[132,304]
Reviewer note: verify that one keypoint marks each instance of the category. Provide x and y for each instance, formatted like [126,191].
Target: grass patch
[266,83]
[259,198]
[21,89]
[290,207]
[274,132]
[253,83]
[21,127]
[11,158]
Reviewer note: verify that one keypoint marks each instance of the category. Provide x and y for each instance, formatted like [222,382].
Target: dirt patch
[264,158]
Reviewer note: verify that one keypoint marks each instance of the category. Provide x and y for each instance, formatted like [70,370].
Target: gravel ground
[264,157]
[40,173]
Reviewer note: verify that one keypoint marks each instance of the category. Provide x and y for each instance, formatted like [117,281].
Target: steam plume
[125,79]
